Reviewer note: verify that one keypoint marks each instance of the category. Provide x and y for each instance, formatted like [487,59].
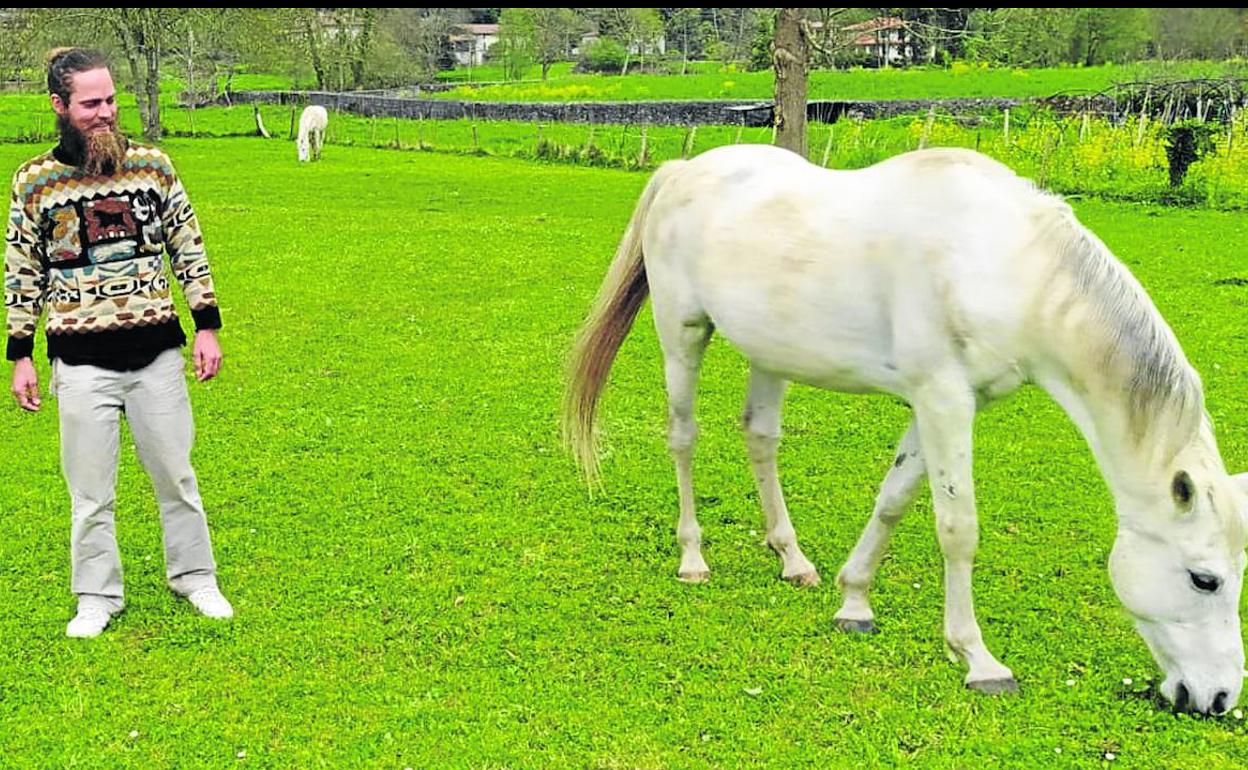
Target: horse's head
[1178,566]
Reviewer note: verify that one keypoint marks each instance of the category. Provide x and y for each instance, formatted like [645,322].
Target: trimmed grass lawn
[421,580]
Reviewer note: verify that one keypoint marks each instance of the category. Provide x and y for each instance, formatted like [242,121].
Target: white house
[884,38]
[472,43]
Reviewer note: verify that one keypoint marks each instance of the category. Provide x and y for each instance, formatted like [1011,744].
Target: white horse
[943,278]
[312,125]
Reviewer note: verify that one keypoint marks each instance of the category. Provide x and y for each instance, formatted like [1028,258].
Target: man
[87,228]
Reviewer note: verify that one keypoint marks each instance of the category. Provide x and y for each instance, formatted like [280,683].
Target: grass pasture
[421,580]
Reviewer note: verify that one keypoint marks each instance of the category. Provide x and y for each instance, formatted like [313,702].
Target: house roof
[478,29]
[876,24]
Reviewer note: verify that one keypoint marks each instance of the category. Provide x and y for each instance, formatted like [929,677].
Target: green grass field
[421,580]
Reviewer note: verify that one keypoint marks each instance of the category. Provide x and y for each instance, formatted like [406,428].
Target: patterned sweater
[90,248]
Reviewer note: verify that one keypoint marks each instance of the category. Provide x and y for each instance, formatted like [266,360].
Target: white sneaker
[93,616]
[210,602]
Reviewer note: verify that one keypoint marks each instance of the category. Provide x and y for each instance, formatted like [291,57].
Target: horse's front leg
[944,409]
[896,493]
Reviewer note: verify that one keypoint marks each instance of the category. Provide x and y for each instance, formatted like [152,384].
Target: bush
[604,55]
[1187,142]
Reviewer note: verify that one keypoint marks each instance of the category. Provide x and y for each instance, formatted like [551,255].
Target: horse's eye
[1204,582]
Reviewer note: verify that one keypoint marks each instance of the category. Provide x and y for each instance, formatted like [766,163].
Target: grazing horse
[312,125]
[943,278]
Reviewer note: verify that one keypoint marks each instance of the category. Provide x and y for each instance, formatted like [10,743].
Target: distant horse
[943,278]
[312,125]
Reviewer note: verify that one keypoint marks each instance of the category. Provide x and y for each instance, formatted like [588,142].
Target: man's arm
[24,285]
[185,243]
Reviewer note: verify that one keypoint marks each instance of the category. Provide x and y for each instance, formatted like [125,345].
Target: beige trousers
[154,400]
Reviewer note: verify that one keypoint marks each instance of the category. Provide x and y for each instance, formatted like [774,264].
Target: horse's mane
[1164,395]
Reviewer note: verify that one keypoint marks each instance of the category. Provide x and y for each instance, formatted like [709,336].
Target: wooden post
[1007,126]
[927,127]
[292,122]
[642,154]
[689,137]
[827,149]
[259,122]
[740,128]
[476,146]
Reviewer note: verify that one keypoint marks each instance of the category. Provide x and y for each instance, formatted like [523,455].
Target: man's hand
[207,355]
[26,385]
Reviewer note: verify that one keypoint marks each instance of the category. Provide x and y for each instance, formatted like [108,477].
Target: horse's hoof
[700,576]
[857,626]
[805,580]
[994,686]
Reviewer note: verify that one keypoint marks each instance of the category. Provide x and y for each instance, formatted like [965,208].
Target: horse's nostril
[1219,703]
[1181,697]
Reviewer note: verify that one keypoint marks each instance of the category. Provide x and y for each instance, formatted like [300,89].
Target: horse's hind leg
[761,422]
[896,494]
[683,346]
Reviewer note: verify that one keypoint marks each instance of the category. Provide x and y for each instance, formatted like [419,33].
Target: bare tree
[682,27]
[142,34]
[826,34]
[424,34]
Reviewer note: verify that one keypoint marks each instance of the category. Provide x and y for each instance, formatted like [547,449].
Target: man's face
[92,106]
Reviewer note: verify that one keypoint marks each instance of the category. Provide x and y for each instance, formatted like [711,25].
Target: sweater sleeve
[187,257]
[24,279]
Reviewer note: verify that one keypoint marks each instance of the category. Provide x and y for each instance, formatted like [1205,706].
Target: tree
[1110,34]
[423,35]
[830,43]
[935,34]
[143,35]
[1198,33]
[682,27]
[515,41]
[18,41]
[790,56]
[637,28]
[1023,37]
[731,33]
[553,31]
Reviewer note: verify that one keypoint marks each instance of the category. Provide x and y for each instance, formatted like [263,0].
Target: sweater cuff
[207,318]
[20,347]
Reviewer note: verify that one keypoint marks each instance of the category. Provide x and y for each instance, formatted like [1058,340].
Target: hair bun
[56,53]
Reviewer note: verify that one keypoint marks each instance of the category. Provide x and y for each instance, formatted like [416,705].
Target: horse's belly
[839,350]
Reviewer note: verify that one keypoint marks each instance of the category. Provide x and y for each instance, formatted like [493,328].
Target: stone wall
[683,113]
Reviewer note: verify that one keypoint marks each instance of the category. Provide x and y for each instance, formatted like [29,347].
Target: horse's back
[823,274]
[314,116]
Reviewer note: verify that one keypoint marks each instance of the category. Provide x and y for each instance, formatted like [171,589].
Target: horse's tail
[610,318]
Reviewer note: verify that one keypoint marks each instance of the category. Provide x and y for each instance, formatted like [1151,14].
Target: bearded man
[88,226]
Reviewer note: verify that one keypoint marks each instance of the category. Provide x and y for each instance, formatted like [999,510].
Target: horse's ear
[1183,490]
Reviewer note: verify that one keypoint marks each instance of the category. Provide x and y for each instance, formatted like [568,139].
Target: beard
[99,153]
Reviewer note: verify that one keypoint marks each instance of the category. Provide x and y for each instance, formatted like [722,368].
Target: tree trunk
[789,55]
[152,130]
[308,19]
[363,43]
